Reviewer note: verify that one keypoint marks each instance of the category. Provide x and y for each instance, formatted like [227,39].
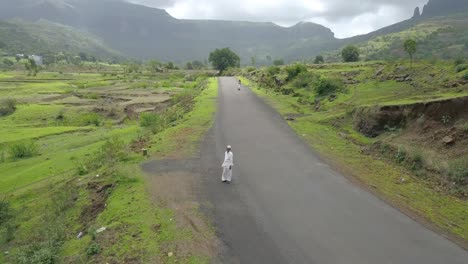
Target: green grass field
[51,194]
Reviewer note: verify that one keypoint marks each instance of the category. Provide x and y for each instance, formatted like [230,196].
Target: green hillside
[17,36]
[443,37]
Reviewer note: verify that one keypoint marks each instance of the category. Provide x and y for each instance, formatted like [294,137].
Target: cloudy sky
[345,17]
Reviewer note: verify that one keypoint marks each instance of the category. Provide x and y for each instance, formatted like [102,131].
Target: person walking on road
[239,85]
[227,165]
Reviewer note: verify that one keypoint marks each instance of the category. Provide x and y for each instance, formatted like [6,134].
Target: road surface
[286,206]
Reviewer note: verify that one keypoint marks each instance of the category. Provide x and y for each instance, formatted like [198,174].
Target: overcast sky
[345,17]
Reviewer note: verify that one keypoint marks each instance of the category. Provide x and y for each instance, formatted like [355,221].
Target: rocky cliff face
[444,7]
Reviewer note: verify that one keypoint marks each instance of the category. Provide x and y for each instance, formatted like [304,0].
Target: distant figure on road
[239,85]
[227,165]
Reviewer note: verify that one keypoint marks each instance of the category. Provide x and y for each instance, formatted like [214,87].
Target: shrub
[93,249]
[90,119]
[294,70]
[113,151]
[459,60]
[326,86]
[273,70]
[400,155]
[458,171]
[152,121]
[461,67]
[417,161]
[465,127]
[278,62]
[319,59]
[7,106]
[184,99]
[5,212]
[250,69]
[465,76]
[21,150]
[446,119]
[305,80]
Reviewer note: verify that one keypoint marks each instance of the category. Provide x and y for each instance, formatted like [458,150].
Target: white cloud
[345,17]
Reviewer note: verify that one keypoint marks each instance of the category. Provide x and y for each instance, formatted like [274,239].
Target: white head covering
[229,147]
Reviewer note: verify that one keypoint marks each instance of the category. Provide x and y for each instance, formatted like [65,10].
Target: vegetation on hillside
[400,131]
[70,147]
[47,39]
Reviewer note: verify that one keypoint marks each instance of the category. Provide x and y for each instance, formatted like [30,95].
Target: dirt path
[286,206]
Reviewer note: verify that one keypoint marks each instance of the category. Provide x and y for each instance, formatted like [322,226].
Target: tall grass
[22,150]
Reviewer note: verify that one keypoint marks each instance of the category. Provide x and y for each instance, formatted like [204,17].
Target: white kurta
[228,162]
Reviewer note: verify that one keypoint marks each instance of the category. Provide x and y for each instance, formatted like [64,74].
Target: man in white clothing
[227,165]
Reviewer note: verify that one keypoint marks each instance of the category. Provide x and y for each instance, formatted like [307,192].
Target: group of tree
[351,53]
[195,65]
[31,67]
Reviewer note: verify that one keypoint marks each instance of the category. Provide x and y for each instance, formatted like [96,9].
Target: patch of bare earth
[177,190]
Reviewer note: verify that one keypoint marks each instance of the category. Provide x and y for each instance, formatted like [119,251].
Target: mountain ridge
[144,32]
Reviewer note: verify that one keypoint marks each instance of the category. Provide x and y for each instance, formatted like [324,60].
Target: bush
[326,86]
[319,59]
[417,161]
[93,249]
[273,70]
[465,76]
[90,119]
[278,62]
[459,60]
[305,80]
[184,99]
[7,106]
[400,155]
[250,69]
[152,121]
[21,150]
[461,67]
[113,151]
[294,70]
[458,171]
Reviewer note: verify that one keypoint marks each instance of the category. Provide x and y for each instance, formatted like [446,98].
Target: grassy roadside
[182,140]
[86,177]
[414,195]
[137,228]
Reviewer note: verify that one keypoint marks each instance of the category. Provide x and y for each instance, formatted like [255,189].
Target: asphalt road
[286,206]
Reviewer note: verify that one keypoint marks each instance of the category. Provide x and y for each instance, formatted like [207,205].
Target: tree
[31,67]
[278,62]
[197,64]
[7,62]
[319,59]
[170,66]
[410,48]
[350,54]
[221,59]
[83,56]
[155,66]
[189,66]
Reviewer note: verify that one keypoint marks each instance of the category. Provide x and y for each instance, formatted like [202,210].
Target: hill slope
[143,32]
[17,36]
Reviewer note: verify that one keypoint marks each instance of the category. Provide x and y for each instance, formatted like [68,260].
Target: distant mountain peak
[444,7]
[417,13]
